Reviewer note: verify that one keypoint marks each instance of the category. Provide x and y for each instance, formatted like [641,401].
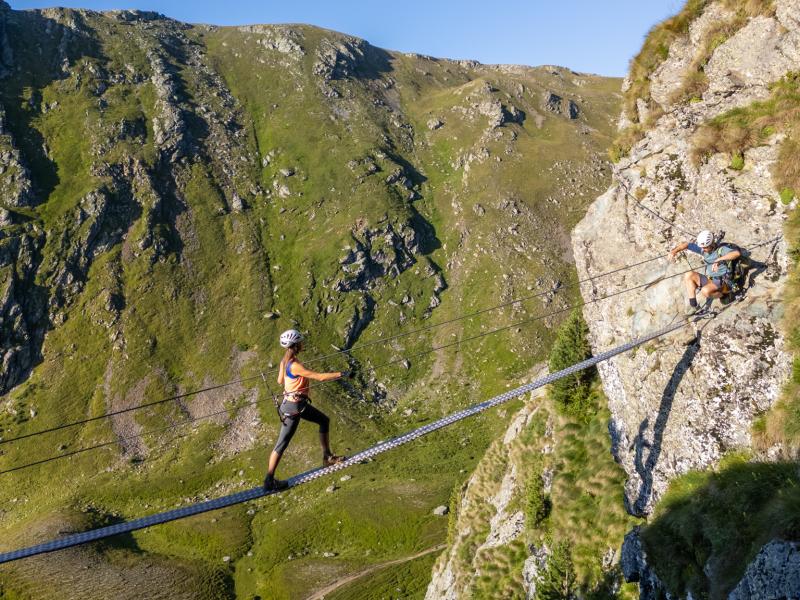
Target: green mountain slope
[174,196]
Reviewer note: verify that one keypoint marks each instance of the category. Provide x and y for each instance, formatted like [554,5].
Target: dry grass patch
[656,50]
[737,130]
[781,425]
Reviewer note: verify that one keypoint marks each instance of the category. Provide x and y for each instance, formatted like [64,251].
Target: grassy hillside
[193,191]
[567,488]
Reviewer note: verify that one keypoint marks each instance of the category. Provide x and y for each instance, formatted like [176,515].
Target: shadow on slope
[645,467]
[710,525]
[115,567]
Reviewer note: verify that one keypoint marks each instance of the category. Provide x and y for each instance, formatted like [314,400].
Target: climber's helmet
[705,239]
[290,337]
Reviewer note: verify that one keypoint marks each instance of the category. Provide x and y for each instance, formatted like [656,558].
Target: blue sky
[597,36]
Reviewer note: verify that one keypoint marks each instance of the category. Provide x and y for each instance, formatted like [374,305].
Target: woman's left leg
[320,418]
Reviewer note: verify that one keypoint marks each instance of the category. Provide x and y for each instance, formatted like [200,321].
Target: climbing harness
[301,401]
[308,476]
[274,398]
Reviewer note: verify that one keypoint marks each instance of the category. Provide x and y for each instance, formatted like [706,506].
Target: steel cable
[319,358]
[380,366]
[308,476]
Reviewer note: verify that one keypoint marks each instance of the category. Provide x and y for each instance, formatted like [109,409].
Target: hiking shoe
[691,311]
[331,459]
[273,485]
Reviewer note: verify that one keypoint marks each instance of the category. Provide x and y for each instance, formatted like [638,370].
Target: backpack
[738,269]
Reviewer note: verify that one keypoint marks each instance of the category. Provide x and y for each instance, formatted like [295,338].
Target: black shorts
[292,412]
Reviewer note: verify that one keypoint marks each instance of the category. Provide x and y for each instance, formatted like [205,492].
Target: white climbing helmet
[290,337]
[705,238]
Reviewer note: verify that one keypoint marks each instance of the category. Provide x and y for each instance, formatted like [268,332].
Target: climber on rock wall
[716,280]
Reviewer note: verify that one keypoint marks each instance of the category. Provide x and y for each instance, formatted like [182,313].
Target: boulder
[633,562]
[434,124]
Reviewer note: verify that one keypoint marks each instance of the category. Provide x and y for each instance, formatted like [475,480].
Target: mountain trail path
[321,593]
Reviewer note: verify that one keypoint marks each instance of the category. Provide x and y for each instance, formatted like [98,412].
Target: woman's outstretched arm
[300,370]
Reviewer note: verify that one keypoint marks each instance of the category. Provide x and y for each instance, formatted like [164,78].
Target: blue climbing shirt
[710,257]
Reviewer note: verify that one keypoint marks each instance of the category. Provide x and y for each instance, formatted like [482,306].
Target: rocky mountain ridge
[173,196]
[686,403]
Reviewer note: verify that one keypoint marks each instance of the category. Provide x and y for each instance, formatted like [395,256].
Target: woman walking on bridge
[294,378]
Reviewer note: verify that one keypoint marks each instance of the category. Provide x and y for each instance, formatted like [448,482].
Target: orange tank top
[294,384]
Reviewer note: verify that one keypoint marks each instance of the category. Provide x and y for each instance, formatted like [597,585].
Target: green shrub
[787,195]
[737,161]
[537,504]
[572,395]
[558,580]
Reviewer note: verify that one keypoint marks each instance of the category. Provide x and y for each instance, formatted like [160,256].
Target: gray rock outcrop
[633,562]
[561,106]
[774,574]
[285,40]
[677,407]
[533,569]
[22,305]
[6,54]
[339,58]
[16,188]
[376,253]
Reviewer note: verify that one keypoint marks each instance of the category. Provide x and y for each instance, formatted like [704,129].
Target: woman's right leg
[286,434]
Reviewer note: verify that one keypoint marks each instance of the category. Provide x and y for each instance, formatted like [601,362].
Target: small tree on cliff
[558,579]
[572,395]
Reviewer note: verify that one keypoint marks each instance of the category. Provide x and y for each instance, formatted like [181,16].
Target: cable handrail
[241,380]
[380,366]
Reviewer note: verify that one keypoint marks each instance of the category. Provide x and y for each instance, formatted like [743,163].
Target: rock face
[6,54]
[15,181]
[562,106]
[633,562]
[773,574]
[677,407]
[22,306]
[492,505]
[377,253]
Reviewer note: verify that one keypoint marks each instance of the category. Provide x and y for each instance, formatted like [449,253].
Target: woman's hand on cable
[345,374]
